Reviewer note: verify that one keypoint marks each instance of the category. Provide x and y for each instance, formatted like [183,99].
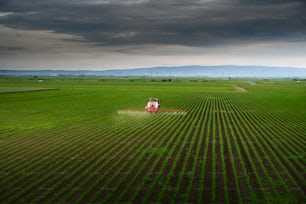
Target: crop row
[220,151]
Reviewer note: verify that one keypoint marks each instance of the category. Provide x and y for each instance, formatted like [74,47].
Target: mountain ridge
[173,71]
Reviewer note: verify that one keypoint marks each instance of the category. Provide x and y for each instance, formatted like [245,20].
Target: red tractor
[153,105]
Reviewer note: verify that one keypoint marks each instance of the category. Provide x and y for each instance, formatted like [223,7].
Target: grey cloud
[136,22]
[11,48]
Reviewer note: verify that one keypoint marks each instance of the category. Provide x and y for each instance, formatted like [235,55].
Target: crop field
[238,141]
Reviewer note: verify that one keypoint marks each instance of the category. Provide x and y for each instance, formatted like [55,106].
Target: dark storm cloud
[136,22]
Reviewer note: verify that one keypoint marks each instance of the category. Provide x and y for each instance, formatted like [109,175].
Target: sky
[120,34]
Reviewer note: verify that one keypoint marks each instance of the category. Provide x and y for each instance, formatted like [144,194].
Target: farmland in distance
[65,140]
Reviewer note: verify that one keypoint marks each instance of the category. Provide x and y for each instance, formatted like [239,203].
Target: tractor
[153,105]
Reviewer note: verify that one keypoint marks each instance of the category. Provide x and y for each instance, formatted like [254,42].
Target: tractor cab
[153,105]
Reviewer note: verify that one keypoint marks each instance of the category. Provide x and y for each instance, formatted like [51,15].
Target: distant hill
[181,71]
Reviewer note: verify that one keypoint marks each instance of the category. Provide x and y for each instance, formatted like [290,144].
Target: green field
[64,140]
